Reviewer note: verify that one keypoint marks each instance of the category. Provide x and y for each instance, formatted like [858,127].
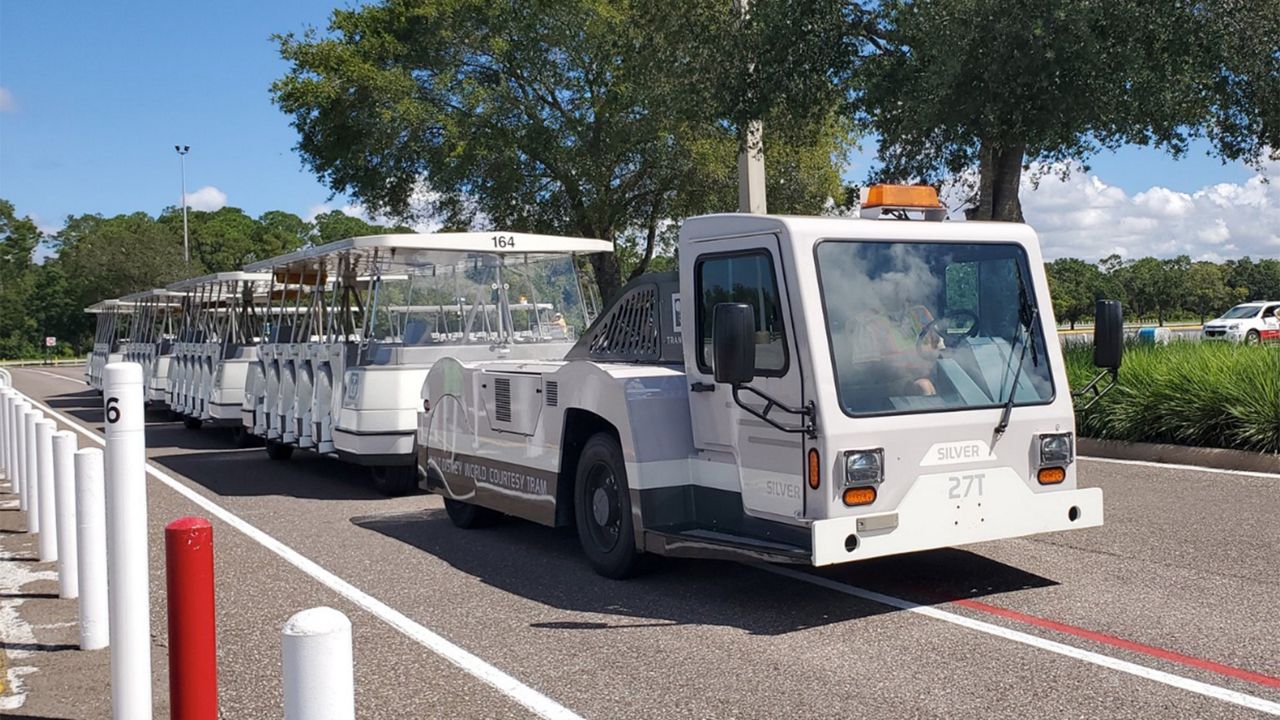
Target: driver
[877,336]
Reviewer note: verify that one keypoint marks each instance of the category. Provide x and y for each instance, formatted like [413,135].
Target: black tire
[468,516]
[395,480]
[241,437]
[192,423]
[602,508]
[1252,338]
[277,450]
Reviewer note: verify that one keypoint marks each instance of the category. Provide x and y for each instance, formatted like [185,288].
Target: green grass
[1186,393]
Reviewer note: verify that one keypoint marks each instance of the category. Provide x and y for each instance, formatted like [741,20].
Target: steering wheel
[951,315]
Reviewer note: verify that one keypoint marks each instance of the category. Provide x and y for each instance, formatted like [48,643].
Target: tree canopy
[601,118]
[997,85]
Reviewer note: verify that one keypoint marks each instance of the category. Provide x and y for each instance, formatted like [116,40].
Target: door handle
[702,387]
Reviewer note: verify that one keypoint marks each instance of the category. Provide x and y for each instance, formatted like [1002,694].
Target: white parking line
[1202,688]
[535,701]
[1176,466]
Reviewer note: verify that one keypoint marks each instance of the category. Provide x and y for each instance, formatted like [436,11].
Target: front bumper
[931,516]
[374,448]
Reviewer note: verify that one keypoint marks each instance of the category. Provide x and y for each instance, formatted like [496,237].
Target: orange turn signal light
[815,471]
[905,196]
[859,496]
[1051,475]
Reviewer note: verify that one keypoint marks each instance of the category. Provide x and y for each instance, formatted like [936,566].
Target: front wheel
[395,480]
[1252,338]
[602,508]
[192,423]
[277,450]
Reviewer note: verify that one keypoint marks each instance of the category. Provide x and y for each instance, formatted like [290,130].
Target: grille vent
[630,331]
[502,399]
[551,391]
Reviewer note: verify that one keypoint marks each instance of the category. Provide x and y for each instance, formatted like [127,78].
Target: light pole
[182,160]
[751,198]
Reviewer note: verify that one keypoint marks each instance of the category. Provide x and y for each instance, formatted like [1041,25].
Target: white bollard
[17,453]
[64,501]
[5,393]
[47,540]
[129,599]
[10,472]
[91,539]
[29,419]
[319,681]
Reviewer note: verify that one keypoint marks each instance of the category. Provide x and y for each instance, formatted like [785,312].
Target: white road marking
[1202,688]
[60,377]
[535,701]
[1177,466]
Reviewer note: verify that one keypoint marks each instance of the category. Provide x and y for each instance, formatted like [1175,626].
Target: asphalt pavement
[1171,609]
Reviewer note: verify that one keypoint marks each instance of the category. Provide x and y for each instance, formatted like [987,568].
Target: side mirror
[733,345]
[1108,334]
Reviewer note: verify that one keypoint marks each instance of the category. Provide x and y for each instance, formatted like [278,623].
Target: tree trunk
[999,178]
[608,274]
[650,242]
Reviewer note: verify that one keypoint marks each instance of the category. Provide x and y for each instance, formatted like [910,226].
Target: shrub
[1187,393]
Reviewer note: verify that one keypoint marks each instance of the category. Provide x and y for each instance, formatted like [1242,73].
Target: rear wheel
[468,516]
[602,508]
[395,480]
[241,437]
[277,450]
[192,423]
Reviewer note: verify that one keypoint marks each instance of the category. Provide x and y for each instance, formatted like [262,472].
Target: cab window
[743,278]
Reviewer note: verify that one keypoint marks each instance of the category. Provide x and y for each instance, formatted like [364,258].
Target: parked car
[1251,323]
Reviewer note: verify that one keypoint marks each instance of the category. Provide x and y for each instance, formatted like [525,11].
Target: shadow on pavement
[37,647]
[546,565]
[248,472]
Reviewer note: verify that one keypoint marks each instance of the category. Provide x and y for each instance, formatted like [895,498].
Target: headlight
[1056,449]
[863,467]
[1233,326]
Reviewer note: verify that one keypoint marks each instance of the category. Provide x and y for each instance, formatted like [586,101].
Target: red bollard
[193,648]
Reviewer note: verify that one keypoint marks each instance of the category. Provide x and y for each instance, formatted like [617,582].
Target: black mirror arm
[808,414]
[1094,392]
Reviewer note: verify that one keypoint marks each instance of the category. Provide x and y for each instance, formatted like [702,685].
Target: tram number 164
[504,241]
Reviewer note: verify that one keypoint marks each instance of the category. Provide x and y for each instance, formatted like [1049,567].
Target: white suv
[1251,322]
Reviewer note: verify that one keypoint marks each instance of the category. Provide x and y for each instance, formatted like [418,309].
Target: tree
[336,225]
[18,239]
[996,86]
[1075,285]
[582,117]
[276,233]
[110,257]
[1207,290]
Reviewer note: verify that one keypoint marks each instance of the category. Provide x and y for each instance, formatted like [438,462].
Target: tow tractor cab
[359,322]
[834,389]
[216,344]
[152,328]
[109,337]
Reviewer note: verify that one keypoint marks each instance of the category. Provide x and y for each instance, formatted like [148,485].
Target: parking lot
[1171,609]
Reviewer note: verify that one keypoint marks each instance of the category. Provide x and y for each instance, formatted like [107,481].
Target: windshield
[1241,312]
[918,326]
[485,299]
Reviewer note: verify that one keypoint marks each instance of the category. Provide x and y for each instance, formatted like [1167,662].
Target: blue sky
[93,96]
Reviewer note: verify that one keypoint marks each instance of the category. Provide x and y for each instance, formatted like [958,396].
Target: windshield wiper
[1027,339]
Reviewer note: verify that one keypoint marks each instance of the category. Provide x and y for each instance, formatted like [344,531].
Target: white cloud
[1085,217]
[7,103]
[207,198]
